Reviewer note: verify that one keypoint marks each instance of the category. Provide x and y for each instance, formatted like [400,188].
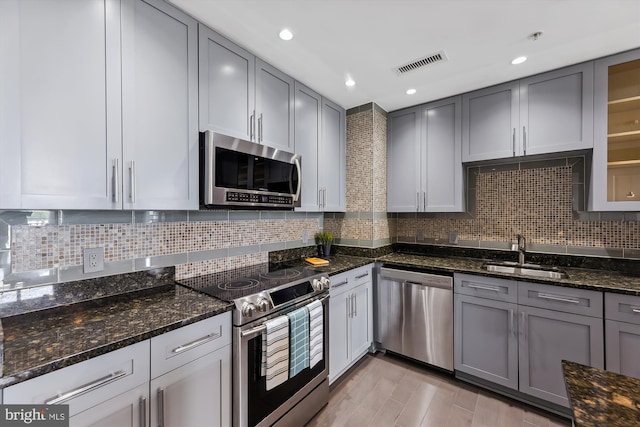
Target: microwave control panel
[239,197]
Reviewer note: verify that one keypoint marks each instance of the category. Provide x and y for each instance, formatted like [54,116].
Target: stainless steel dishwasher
[415,315]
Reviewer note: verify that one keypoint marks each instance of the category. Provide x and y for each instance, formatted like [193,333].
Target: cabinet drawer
[87,383]
[569,300]
[486,287]
[625,308]
[340,283]
[362,275]
[175,348]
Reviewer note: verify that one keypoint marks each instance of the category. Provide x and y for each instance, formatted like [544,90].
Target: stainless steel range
[259,297]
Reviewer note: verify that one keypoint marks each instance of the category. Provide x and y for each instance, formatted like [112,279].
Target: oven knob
[248,309]
[325,282]
[263,304]
[317,285]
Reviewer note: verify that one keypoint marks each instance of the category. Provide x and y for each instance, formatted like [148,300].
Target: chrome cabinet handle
[635,310]
[362,275]
[142,407]
[524,140]
[337,285]
[417,201]
[160,407]
[184,347]
[511,325]
[348,307]
[484,287]
[116,181]
[85,388]
[260,138]
[558,298]
[132,181]
[424,201]
[524,325]
[252,120]
[355,306]
[514,142]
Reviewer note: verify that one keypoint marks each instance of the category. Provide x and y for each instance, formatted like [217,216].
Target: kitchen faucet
[522,248]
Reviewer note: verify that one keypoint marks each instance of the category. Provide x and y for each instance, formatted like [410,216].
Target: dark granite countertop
[601,398]
[599,280]
[340,263]
[39,341]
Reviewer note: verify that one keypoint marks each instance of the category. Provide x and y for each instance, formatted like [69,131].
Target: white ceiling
[367,39]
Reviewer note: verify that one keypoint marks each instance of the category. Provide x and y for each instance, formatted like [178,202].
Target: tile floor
[386,391]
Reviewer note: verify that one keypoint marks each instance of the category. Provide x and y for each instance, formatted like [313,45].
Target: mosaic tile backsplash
[196,242]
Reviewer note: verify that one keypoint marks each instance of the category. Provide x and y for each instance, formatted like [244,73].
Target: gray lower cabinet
[546,338]
[424,164]
[111,121]
[243,96]
[516,334]
[622,332]
[486,340]
[350,319]
[546,113]
[128,409]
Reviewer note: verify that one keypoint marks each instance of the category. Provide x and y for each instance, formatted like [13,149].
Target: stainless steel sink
[533,270]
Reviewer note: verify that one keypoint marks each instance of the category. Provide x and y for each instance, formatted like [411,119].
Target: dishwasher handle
[416,278]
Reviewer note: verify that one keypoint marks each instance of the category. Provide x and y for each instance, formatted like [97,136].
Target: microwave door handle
[298,171]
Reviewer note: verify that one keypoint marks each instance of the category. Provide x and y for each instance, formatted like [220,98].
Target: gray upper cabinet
[242,96]
[308,109]
[110,122]
[332,157]
[615,177]
[403,160]
[424,158]
[546,113]
[227,89]
[320,139]
[60,131]
[159,106]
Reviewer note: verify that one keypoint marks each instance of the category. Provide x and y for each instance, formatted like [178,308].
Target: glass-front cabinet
[616,153]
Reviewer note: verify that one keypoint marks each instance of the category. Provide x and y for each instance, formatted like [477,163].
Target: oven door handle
[263,327]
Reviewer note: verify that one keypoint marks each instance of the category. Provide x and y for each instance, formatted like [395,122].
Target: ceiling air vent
[422,62]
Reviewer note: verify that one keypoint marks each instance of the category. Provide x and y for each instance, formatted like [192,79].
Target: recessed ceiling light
[411,91]
[519,60]
[350,82]
[286,34]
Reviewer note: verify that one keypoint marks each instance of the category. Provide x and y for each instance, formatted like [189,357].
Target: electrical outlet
[420,235]
[93,259]
[305,236]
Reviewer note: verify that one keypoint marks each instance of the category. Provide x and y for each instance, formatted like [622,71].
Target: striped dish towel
[316,333]
[298,340]
[275,351]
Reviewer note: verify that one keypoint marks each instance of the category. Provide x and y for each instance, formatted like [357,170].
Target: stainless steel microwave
[243,174]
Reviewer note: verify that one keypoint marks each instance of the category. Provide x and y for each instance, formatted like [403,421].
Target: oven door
[253,405]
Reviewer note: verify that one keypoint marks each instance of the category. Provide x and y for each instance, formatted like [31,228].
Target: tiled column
[365,223]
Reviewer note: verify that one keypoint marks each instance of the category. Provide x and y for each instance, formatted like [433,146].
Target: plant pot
[326,250]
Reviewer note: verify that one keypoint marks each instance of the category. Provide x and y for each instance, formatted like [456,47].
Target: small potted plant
[324,239]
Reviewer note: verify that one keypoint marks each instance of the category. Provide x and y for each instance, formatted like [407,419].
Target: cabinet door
[60,103]
[339,335]
[227,86]
[159,103]
[403,161]
[615,180]
[307,136]
[622,347]
[361,321]
[556,111]
[196,394]
[490,122]
[485,339]
[548,337]
[128,409]
[442,172]
[274,107]
[332,162]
